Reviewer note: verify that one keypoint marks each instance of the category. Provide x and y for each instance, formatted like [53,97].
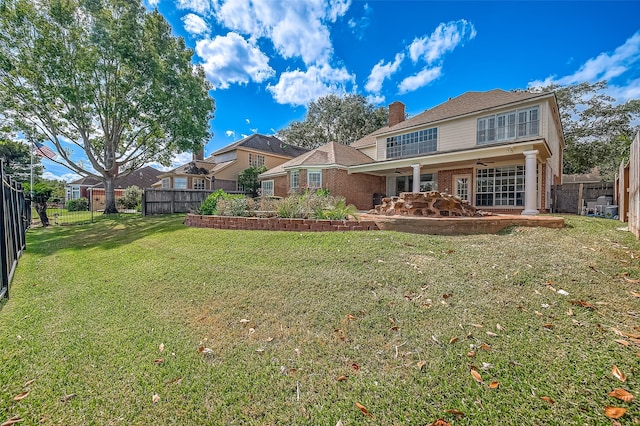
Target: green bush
[132,199]
[210,204]
[338,211]
[78,205]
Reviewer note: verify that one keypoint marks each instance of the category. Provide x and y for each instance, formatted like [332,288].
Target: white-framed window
[500,186]
[166,183]
[509,125]
[180,183]
[75,192]
[267,188]
[198,183]
[256,160]
[294,180]
[414,143]
[314,179]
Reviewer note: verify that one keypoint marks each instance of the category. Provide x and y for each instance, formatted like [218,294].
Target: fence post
[4,290]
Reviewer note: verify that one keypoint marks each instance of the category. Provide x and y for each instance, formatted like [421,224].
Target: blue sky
[267,59]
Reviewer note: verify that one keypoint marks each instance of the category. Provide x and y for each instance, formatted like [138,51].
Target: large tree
[333,118]
[105,76]
[17,160]
[598,130]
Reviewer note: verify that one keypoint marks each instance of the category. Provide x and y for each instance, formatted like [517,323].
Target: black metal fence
[15,217]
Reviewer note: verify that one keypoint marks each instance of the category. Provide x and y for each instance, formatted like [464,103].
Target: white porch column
[416,177]
[530,183]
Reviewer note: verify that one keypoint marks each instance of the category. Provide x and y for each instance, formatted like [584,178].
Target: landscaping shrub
[209,205]
[78,205]
[132,199]
[235,205]
[338,211]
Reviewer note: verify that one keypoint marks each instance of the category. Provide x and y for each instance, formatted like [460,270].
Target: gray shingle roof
[268,144]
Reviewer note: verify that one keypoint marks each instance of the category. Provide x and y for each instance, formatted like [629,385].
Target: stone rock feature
[426,204]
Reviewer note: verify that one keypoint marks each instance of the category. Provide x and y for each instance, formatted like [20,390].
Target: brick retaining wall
[277,224]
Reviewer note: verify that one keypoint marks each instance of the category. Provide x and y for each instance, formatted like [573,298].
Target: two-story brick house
[499,150]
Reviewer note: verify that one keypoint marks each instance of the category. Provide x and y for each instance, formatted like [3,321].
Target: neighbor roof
[142,178]
[268,144]
[197,167]
[330,154]
[466,103]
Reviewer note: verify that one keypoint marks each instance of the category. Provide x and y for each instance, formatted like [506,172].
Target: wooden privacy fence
[568,197]
[15,217]
[167,201]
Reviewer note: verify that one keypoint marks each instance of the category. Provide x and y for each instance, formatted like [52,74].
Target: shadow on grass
[106,233]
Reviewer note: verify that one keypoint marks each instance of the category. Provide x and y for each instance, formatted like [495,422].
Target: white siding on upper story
[370,151]
[461,134]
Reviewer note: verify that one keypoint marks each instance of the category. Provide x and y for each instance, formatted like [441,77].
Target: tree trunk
[109,197]
[41,209]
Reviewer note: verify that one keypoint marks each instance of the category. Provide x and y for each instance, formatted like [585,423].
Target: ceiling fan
[479,162]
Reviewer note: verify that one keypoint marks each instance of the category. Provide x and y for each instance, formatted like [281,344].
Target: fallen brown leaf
[618,374]
[614,412]
[155,398]
[494,385]
[621,394]
[161,347]
[28,382]
[453,340]
[491,334]
[632,280]
[175,381]
[634,294]
[364,410]
[440,422]
[355,366]
[548,325]
[12,421]
[499,327]
[351,317]
[158,361]
[582,303]
[538,313]
[21,396]
[548,399]
[622,342]
[477,376]
[471,354]
[459,414]
[421,364]
[570,312]
[342,378]
[68,397]
[476,325]
[485,347]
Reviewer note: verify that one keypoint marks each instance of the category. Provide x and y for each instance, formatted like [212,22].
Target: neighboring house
[221,169]
[499,150]
[92,188]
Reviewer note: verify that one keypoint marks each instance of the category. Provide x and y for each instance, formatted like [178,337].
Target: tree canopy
[333,118]
[598,131]
[16,160]
[104,76]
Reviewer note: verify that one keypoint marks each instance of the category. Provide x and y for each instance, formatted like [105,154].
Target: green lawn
[145,321]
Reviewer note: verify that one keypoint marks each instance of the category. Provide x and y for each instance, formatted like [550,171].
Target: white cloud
[66,177]
[376,99]
[230,134]
[201,7]
[153,3]
[382,71]
[419,80]
[231,59]
[605,66]
[296,28]
[301,87]
[194,24]
[248,121]
[445,38]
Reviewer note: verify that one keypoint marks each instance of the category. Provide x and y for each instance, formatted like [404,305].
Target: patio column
[530,183]
[416,177]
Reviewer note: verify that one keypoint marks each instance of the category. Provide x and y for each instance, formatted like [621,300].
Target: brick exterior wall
[445,179]
[278,224]
[357,189]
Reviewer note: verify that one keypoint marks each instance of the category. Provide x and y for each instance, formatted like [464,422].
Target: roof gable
[267,144]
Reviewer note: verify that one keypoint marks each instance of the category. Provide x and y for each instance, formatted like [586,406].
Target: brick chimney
[396,113]
[198,155]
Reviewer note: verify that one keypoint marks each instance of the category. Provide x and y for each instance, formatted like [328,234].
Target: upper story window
[294,180]
[180,183]
[166,183]
[509,125]
[198,183]
[414,143]
[256,160]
